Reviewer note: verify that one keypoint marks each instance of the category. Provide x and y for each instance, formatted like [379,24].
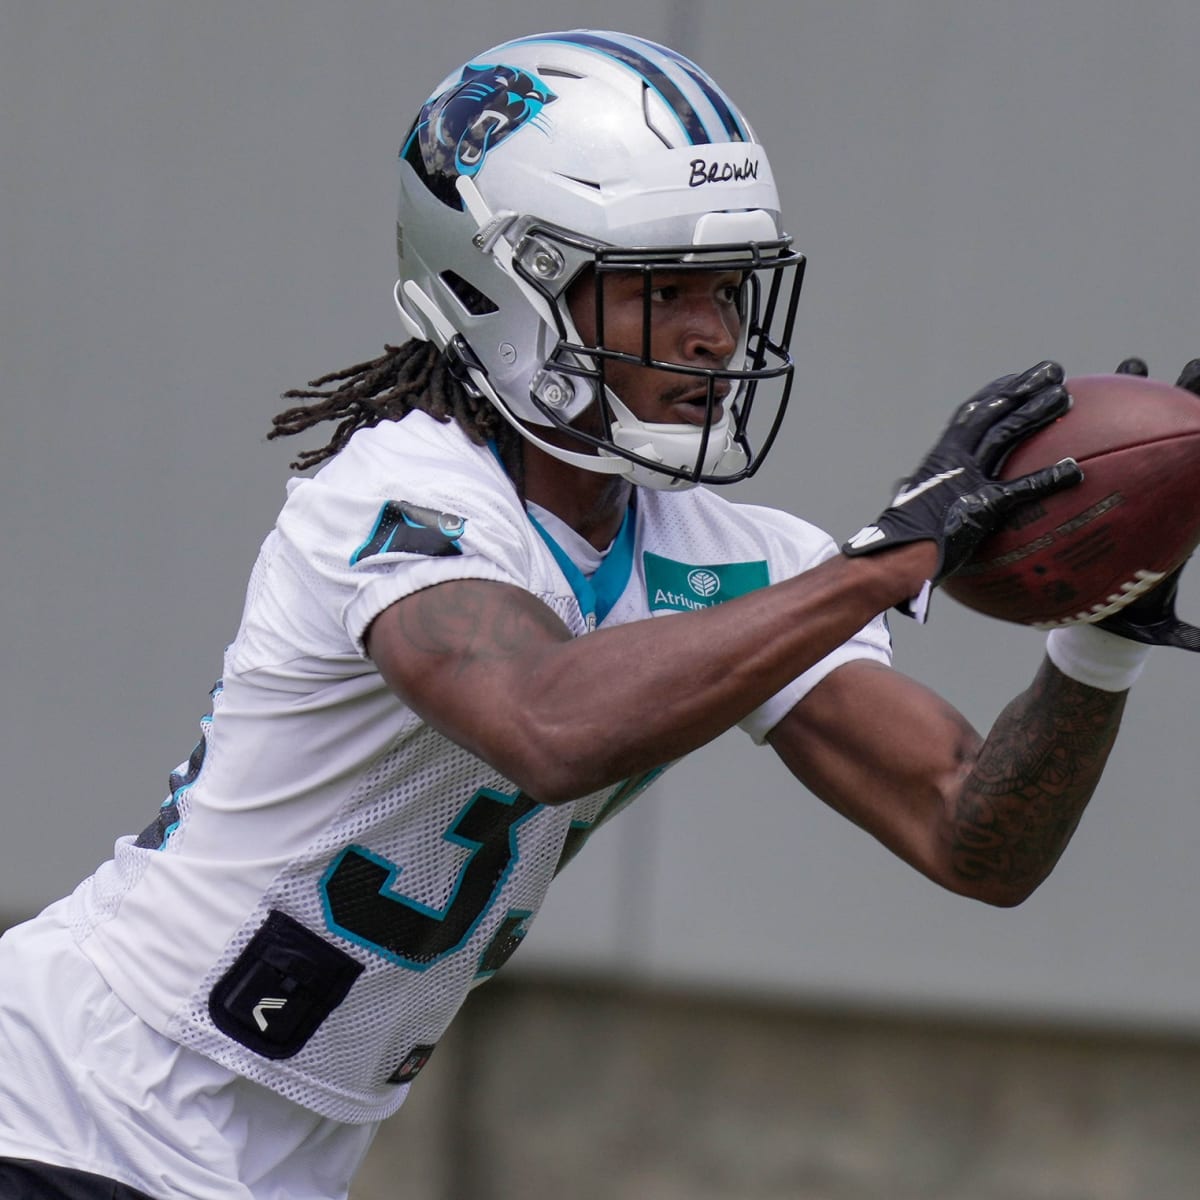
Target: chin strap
[677,447]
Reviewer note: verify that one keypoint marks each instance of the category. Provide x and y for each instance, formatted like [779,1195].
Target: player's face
[695,321]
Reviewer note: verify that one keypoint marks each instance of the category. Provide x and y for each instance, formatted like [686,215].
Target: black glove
[1151,618]
[1189,377]
[954,497]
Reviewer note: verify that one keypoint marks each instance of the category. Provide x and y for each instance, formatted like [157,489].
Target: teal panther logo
[456,129]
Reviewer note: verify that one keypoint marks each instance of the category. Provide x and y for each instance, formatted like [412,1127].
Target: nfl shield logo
[408,1070]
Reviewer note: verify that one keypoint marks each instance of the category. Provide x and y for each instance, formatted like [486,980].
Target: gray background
[196,213]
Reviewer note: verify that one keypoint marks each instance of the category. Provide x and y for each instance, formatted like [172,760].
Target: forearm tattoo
[1032,780]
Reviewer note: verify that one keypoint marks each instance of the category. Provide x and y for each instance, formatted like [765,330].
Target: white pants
[85,1083]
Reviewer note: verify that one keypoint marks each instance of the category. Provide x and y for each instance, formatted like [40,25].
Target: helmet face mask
[722,449]
[593,157]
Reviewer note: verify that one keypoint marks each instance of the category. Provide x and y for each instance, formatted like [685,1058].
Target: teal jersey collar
[597,595]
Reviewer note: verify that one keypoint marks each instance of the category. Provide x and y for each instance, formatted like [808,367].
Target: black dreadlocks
[414,377]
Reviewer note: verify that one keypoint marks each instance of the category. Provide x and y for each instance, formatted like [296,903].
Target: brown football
[1084,553]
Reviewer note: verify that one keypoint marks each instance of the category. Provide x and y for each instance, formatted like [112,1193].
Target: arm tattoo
[1033,779]
[474,621]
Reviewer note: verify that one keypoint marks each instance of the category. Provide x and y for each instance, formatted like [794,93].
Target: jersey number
[362,905]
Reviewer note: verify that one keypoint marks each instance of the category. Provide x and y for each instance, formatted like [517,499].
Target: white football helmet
[555,153]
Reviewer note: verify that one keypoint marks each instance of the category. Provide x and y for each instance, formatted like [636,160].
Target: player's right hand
[1189,377]
[955,498]
[1151,619]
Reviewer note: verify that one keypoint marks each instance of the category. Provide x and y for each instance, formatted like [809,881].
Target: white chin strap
[675,446]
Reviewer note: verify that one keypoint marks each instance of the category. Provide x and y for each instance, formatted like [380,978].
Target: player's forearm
[491,667]
[654,691]
[1033,777]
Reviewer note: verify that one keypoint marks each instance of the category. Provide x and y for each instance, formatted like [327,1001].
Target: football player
[507,602]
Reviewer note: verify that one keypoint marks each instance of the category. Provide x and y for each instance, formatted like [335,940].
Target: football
[1086,552]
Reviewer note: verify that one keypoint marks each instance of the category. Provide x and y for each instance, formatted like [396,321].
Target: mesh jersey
[329,875]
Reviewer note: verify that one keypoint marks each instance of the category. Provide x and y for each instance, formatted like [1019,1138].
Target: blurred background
[733,993]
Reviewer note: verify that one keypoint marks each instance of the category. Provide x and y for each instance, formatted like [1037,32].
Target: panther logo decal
[405,528]
[456,129]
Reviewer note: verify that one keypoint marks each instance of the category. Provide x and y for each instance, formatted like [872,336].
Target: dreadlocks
[413,377]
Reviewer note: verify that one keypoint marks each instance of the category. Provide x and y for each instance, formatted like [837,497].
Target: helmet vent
[559,72]
[468,295]
[651,116]
[587,183]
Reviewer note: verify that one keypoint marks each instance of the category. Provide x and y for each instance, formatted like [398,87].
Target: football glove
[1189,377]
[954,497]
[1151,618]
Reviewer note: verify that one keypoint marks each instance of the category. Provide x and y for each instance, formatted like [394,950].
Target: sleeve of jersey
[873,642]
[379,548]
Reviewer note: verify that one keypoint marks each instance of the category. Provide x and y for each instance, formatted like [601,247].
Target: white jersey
[330,876]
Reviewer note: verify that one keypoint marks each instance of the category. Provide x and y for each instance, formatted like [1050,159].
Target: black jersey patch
[408,1070]
[405,528]
[281,987]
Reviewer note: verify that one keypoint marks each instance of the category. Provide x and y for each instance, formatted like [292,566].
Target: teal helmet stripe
[727,114]
[629,55]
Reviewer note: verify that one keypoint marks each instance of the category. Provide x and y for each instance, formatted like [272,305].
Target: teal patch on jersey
[405,528]
[683,587]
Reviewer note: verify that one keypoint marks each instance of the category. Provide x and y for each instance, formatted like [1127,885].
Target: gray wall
[196,214]
[610,1094]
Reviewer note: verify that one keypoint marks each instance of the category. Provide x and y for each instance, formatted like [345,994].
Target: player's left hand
[1151,618]
[955,498]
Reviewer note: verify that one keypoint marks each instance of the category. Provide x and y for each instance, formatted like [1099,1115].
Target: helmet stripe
[653,75]
[725,110]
